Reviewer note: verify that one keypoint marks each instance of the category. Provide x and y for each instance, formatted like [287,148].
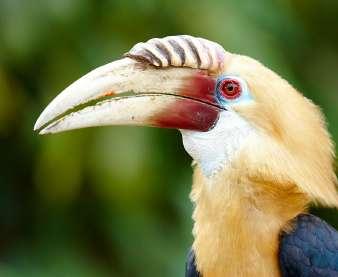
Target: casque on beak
[135,91]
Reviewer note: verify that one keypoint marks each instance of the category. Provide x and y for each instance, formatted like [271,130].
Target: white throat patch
[214,149]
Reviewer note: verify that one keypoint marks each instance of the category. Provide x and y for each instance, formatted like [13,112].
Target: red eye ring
[230,89]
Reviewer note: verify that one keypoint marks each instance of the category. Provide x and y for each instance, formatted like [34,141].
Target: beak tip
[44,131]
[38,124]
[36,127]
[42,120]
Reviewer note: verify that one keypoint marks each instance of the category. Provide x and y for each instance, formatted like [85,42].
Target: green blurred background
[114,201]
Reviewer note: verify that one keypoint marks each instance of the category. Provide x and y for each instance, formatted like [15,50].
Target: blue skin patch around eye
[244,97]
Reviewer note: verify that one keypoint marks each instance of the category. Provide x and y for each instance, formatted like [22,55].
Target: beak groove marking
[186,112]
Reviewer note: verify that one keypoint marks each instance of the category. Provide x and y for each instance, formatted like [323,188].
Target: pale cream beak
[129,92]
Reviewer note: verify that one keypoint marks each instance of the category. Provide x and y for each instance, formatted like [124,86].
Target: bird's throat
[237,224]
[215,149]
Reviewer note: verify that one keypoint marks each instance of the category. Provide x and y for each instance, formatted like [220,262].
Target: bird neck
[238,221]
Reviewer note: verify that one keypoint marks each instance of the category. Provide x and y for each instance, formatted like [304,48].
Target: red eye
[230,88]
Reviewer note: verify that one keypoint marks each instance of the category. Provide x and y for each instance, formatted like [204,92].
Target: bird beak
[131,92]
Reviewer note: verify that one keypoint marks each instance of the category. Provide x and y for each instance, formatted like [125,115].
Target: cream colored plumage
[239,216]
[274,178]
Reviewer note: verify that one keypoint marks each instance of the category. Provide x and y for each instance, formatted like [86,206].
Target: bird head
[228,108]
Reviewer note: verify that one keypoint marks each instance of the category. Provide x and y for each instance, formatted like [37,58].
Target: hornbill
[261,151]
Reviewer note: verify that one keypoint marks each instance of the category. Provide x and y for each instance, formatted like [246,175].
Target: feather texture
[310,249]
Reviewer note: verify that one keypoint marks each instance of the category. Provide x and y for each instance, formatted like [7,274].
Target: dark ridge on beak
[193,49]
[178,49]
[164,51]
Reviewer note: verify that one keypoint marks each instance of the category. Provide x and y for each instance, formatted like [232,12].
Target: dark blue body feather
[309,250]
[190,265]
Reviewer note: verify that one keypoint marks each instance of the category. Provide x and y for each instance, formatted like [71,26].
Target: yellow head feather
[296,146]
[241,210]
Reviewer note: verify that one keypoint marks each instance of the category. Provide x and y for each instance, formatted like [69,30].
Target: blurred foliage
[114,201]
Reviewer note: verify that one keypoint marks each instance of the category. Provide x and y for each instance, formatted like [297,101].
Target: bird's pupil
[230,87]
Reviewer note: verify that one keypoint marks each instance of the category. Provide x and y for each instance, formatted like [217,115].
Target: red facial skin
[187,114]
[201,87]
[196,110]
